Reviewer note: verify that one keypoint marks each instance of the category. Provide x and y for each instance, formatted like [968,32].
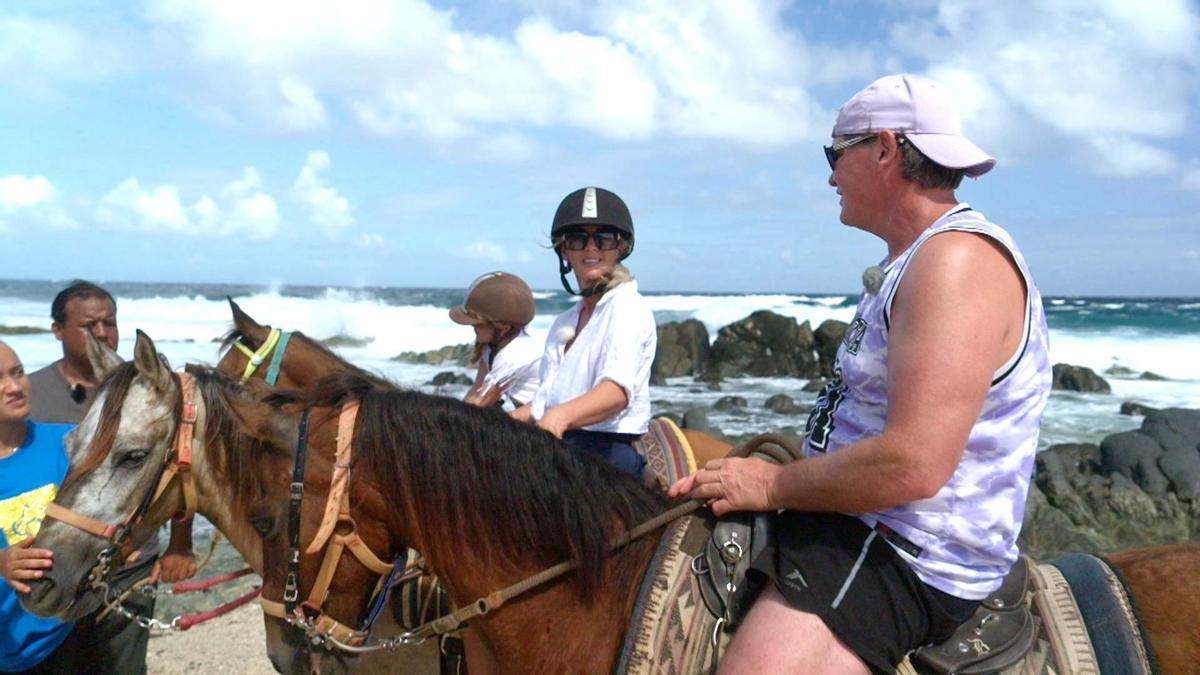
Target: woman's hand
[523,414]
[20,562]
[555,422]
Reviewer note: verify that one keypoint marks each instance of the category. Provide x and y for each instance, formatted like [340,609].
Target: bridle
[277,341]
[177,463]
[338,532]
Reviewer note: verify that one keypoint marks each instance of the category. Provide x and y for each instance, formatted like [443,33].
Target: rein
[276,341]
[448,623]
[177,463]
[340,532]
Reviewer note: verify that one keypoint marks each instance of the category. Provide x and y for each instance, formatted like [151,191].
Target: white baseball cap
[920,109]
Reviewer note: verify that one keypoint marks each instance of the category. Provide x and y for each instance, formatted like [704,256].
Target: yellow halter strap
[256,358]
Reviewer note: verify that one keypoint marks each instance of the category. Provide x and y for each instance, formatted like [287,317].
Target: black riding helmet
[590,206]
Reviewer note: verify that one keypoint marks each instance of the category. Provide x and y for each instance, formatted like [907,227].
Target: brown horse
[1157,577]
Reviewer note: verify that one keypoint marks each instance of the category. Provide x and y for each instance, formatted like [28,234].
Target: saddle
[1000,633]
[737,539]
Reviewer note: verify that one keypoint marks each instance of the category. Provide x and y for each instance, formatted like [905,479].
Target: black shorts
[837,568]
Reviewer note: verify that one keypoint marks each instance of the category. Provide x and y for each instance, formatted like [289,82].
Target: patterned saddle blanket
[667,452]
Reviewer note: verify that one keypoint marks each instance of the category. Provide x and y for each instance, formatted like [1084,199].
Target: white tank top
[963,540]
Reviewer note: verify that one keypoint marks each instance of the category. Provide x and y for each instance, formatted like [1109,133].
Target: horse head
[328,550]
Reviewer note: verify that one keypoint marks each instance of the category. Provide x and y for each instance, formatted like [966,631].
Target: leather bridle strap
[255,358]
[291,589]
[337,532]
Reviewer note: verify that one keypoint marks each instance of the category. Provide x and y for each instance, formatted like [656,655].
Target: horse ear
[104,359]
[244,324]
[145,357]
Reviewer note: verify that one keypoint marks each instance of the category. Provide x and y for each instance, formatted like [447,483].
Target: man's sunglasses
[606,240]
[832,152]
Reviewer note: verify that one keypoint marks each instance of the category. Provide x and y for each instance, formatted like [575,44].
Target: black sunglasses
[832,152]
[606,240]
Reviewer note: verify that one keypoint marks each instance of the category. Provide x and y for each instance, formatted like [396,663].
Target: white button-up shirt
[617,344]
[516,368]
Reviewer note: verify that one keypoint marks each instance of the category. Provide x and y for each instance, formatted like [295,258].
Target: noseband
[177,463]
[277,340]
[339,531]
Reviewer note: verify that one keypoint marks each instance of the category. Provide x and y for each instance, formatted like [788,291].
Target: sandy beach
[234,643]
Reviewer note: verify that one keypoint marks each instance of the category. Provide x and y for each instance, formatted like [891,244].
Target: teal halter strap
[277,357]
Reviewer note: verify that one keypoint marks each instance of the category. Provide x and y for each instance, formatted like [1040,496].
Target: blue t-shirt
[29,479]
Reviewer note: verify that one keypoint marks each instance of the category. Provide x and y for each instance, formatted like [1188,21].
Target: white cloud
[26,200]
[327,209]
[1127,157]
[131,206]
[21,192]
[36,53]
[1074,70]
[242,209]
[370,241]
[705,69]
[491,252]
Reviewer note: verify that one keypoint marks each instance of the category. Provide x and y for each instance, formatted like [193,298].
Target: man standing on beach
[61,393]
[927,431]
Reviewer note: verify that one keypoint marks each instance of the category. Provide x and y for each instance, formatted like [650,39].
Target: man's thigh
[775,638]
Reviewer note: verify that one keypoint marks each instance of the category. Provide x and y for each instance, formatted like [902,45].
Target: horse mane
[239,453]
[235,334]
[114,388]
[471,474]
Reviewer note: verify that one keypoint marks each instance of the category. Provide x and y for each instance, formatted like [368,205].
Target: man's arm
[957,316]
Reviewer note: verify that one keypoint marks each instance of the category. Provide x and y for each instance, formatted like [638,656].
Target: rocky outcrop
[765,344]
[449,377]
[451,354]
[683,349]
[1136,488]
[828,337]
[1079,378]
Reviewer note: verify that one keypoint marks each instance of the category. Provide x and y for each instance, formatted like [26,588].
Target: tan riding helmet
[496,296]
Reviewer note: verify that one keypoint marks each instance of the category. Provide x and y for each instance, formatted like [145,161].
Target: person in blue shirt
[33,463]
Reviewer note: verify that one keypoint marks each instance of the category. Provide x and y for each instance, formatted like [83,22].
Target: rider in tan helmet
[499,305]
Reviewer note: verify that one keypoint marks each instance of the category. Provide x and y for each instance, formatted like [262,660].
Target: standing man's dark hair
[77,289]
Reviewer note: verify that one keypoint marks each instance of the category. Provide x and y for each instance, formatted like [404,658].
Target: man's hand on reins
[731,484]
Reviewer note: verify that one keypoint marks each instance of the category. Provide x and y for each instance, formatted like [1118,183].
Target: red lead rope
[189,620]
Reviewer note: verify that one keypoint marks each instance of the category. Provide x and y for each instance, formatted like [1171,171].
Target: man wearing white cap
[905,512]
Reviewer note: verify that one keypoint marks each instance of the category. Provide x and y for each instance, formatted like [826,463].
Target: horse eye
[133,458]
[263,525]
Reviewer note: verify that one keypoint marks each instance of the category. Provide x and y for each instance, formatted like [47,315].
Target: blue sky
[403,143]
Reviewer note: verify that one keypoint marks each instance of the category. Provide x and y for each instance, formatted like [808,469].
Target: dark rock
[1151,376]
[696,419]
[1182,422]
[450,377]
[1134,455]
[765,344]
[1182,468]
[455,354]
[730,403]
[1119,371]
[814,385]
[346,341]
[783,404]
[683,349]
[1135,408]
[827,338]
[1079,378]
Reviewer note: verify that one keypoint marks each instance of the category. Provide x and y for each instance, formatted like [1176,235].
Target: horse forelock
[480,484]
[112,395]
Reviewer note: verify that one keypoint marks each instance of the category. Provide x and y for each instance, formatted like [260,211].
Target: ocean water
[1161,335]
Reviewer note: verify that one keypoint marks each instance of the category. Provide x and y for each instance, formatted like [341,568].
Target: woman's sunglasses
[606,240]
